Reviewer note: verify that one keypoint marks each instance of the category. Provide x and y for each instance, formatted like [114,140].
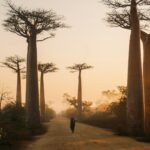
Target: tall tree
[29,24]
[79,68]
[146,75]
[15,63]
[135,87]
[125,15]
[44,68]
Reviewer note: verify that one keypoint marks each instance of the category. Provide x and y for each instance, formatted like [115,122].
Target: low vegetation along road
[85,137]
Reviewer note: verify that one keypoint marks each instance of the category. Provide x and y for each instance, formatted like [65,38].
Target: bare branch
[117,4]
[24,22]
[47,67]
[120,16]
[51,36]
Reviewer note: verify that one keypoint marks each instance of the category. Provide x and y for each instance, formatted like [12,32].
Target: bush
[70,112]
[114,117]
[49,113]
[12,123]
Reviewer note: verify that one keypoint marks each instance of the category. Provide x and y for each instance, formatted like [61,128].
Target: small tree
[72,101]
[79,68]
[4,96]
[15,63]
[29,24]
[44,68]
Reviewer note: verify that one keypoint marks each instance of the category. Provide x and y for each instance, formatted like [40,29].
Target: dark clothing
[72,124]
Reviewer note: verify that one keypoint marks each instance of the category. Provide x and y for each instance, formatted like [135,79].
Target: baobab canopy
[79,67]
[21,21]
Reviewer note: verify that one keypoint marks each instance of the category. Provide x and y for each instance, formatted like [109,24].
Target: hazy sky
[89,40]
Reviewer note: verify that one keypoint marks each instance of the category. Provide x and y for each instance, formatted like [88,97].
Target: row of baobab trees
[29,24]
[15,63]
[134,15]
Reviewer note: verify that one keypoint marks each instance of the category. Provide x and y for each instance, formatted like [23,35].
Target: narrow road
[85,137]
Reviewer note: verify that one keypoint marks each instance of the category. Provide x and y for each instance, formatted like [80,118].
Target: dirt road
[85,137]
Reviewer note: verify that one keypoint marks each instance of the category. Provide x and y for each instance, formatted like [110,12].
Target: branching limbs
[79,67]
[24,22]
[120,13]
[14,63]
[47,67]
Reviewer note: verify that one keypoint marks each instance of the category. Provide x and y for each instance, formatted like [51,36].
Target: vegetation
[12,125]
[128,112]
[73,102]
[114,117]
[49,113]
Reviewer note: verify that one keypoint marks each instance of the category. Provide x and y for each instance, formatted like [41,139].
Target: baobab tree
[15,63]
[78,68]
[126,13]
[29,24]
[44,69]
[146,75]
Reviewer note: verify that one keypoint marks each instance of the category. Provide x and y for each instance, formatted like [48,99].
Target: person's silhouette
[72,124]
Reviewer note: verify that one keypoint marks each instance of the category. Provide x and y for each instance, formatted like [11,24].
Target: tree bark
[42,98]
[0,105]
[135,90]
[146,76]
[79,96]
[32,94]
[18,92]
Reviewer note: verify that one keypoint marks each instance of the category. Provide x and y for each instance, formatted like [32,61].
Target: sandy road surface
[85,137]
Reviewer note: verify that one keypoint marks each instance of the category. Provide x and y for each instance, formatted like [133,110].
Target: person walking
[72,124]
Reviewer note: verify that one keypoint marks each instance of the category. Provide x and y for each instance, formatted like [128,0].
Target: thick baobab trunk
[18,92]
[146,76]
[79,96]
[42,98]
[135,91]
[32,94]
[0,105]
